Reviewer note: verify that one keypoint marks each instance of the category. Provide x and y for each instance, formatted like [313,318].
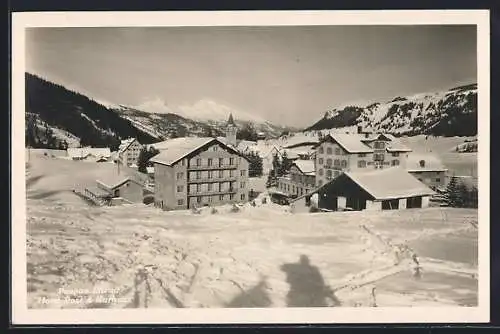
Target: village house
[379,189]
[427,168]
[93,154]
[114,189]
[345,152]
[300,180]
[193,172]
[129,150]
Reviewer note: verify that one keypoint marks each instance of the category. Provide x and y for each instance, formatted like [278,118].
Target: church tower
[231,130]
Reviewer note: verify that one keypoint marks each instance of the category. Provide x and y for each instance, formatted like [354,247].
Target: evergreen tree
[247,133]
[255,167]
[144,156]
[454,194]
[286,164]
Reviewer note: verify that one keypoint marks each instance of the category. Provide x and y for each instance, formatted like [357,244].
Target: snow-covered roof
[82,152]
[356,142]
[388,183]
[424,162]
[173,150]
[305,166]
[396,145]
[351,142]
[124,145]
[115,180]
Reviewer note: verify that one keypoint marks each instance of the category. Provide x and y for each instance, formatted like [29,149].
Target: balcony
[212,167]
[212,192]
[212,180]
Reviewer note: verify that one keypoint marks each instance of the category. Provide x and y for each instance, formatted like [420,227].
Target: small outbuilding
[382,189]
[122,188]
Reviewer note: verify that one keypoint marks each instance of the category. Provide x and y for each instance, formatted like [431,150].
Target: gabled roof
[125,144]
[351,142]
[305,166]
[431,163]
[113,181]
[173,150]
[388,183]
[82,152]
[381,184]
[357,142]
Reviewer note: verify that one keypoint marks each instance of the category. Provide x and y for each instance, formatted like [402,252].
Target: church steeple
[230,121]
[231,130]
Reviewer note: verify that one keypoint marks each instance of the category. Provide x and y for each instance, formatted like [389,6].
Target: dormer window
[422,163]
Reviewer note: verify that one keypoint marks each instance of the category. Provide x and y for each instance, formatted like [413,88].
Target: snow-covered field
[264,256]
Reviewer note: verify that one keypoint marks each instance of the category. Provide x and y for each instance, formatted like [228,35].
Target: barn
[380,189]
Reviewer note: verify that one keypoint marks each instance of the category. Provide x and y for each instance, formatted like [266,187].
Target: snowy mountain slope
[446,113]
[211,113]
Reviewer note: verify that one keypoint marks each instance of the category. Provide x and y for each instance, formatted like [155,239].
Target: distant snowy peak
[202,110]
[450,112]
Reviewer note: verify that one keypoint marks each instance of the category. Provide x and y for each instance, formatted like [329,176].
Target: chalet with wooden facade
[380,189]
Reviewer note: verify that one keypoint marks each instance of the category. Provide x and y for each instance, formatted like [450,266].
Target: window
[215,148]
[344,163]
[221,197]
[293,189]
[422,163]
[180,189]
[210,174]
[329,173]
[378,157]
[242,197]
[183,162]
[337,151]
[198,188]
[328,150]
[320,172]
[210,186]
[231,173]
[242,184]
[329,162]
[395,154]
[231,196]
[336,163]
[198,199]
[180,202]
[221,174]
[395,162]
[221,161]
[321,150]
[320,182]
[209,161]
[320,161]
[209,198]
[361,164]
[220,186]
[336,173]
[198,162]
[242,172]
[288,187]
[198,175]
[231,161]
[362,155]
[438,179]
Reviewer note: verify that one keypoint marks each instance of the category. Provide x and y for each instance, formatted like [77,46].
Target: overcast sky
[288,75]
